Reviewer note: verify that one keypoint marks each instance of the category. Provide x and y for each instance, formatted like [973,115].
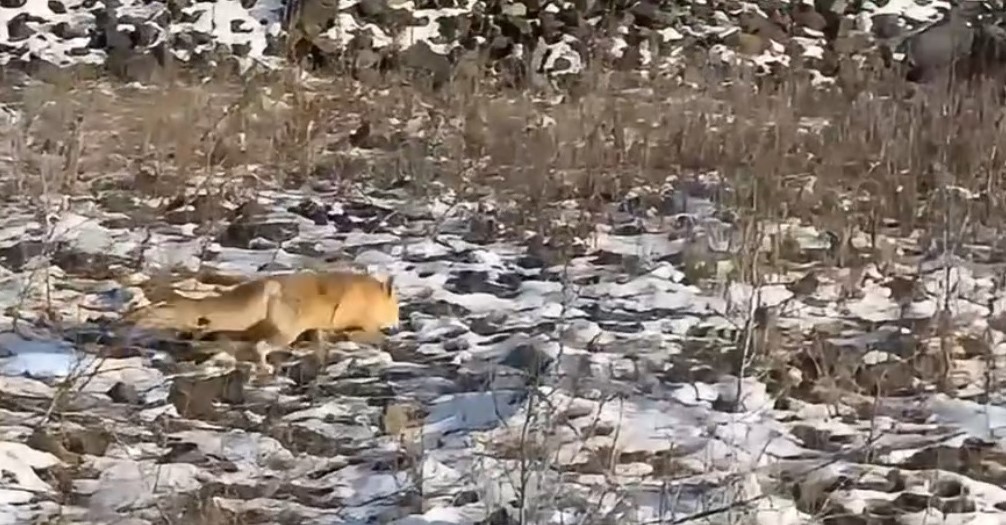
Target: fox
[274,311]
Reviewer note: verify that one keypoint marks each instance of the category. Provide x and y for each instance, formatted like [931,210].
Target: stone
[514,10]
[750,44]
[68,31]
[806,16]
[124,393]
[195,397]
[649,14]
[17,28]
[939,47]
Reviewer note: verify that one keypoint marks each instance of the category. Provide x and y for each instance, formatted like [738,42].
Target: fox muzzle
[390,330]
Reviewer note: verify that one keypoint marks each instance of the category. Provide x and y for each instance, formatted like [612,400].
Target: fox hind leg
[277,331]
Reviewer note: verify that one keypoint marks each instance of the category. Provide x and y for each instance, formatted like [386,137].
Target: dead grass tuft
[787,150]
[864,156]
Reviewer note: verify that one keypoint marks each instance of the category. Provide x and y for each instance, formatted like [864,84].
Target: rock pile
[530,40]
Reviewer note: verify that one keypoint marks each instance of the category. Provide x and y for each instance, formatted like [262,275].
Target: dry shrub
[842,157]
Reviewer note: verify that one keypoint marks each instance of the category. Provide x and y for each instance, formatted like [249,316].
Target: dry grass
[868,155]
[788,150]
[871,156]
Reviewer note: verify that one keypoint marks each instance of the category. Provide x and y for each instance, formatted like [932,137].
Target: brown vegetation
[865,154]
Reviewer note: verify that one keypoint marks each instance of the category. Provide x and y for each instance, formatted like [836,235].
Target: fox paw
[264,366]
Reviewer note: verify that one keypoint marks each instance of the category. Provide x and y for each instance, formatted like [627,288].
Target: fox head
[387,311]
[379,307]
[362,302]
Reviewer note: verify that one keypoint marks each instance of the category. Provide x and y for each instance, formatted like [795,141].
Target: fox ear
[388,283]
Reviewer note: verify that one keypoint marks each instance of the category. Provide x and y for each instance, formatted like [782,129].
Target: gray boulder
[968,41]
[941,46]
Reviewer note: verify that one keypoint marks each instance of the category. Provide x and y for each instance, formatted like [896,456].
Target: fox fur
[274,311]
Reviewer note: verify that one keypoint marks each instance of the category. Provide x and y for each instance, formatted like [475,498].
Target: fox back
[342,301]
[234,310]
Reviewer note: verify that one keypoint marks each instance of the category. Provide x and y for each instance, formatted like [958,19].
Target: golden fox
[274,311]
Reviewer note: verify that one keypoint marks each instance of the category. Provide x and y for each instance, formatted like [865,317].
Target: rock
[45,441]
[849,45]
[90,441]
[649,14]
[364,138]
[939,47]
[124,393]
[70,444]
[146,35]
[373,8]
[885,26]
[750,44]
[764,27]
[243,234]
[22,464]
[124,484]
[806,16]
[14,257]
[306,370]
[514,10]
[195,397]
[198,209]
[249,225]
[131,66]
[93,265]
[425,62]
[67,31]
[398,418]
[17,28]
[312,210]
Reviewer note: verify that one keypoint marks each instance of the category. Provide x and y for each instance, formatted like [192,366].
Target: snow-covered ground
[523,388]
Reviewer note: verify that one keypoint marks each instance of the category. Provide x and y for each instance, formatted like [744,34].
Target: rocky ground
[595,389]
[583,279]
[532,383]
[529,42]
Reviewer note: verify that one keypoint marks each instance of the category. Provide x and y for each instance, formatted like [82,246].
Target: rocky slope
[529,41]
